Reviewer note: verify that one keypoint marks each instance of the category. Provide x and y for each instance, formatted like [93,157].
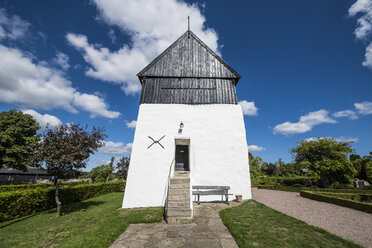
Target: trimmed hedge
[15,204]
[361,206]
[284,181]
[282,188]
[298,189]
[362,191]
[361,197]
[13,187]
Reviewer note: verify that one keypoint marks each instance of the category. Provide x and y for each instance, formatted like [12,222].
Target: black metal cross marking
[156,141]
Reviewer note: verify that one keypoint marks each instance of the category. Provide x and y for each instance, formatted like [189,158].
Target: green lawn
[96,222]
[252,224]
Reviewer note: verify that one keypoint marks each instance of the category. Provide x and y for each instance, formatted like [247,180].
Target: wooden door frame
[183,141]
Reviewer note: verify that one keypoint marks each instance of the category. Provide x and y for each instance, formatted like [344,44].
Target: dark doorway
[182,158]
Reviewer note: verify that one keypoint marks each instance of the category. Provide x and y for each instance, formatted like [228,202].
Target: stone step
[175,212]
[180,186]
[179,191]
[179,220]
[179,180]
[176,204]
[180,197]
[177,173]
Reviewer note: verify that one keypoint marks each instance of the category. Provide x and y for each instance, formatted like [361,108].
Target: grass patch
[253,224]
[96,222]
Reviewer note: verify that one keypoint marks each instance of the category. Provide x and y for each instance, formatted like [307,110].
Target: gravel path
[344,222]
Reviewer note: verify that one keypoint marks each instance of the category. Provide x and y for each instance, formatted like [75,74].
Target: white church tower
[190,129]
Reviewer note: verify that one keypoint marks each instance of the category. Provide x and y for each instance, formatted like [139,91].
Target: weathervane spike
[188,26]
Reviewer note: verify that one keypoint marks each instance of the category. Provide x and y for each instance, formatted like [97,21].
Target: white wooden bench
[211,190]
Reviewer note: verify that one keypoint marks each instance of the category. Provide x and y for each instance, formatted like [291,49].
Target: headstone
[360,183]
[325,182]
[308,182]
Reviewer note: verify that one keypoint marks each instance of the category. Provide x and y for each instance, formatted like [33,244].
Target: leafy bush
[282,188]
[297,185]
[18,203]
[363,197]
[366,207]
[368,187]
[6,188]
[284,181]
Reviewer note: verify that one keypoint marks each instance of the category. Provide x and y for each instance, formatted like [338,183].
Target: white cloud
[364,108]
[101,161]
[44,119]
[364,27]
[39,86]
[368,57]
[254,148]
[95,105]
[116,148]
[339,139]
[305,124]
[347,139]
[12,27]
[346,113]
[248,108]
[112,36]
[119,67]
[152,26]
[132,124]
[62,60]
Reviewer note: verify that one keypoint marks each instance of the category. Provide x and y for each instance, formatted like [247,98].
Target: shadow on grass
[75,207]
[11,222]
[67,209]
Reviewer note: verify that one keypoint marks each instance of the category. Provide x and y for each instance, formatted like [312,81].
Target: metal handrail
[166,190]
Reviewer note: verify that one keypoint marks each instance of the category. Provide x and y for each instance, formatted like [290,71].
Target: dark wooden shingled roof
[189,57]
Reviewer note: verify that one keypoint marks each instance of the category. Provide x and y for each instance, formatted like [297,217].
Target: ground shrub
[284,181]
[340,199]
[297,185]
[13,187]
[368,187]
[282,188]
[18,203]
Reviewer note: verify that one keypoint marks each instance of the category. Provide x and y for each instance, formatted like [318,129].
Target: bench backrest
[211,187]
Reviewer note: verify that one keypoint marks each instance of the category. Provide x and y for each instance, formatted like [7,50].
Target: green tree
[326,157]
[369,171]
[270,169]
[122,167]
[254,165]
[102,173]
[64,152]
[363,165]
[17,138]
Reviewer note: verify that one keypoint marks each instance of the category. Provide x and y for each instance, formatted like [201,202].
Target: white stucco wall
[218,150]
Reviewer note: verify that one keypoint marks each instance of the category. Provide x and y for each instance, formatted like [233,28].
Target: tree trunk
[57,198]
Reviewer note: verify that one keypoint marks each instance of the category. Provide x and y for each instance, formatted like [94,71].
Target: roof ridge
[161,55]
[215,55]
[189,33]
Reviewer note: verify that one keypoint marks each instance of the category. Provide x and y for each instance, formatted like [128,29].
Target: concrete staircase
[178,205]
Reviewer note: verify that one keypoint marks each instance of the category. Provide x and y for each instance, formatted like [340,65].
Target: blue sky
[306,66]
